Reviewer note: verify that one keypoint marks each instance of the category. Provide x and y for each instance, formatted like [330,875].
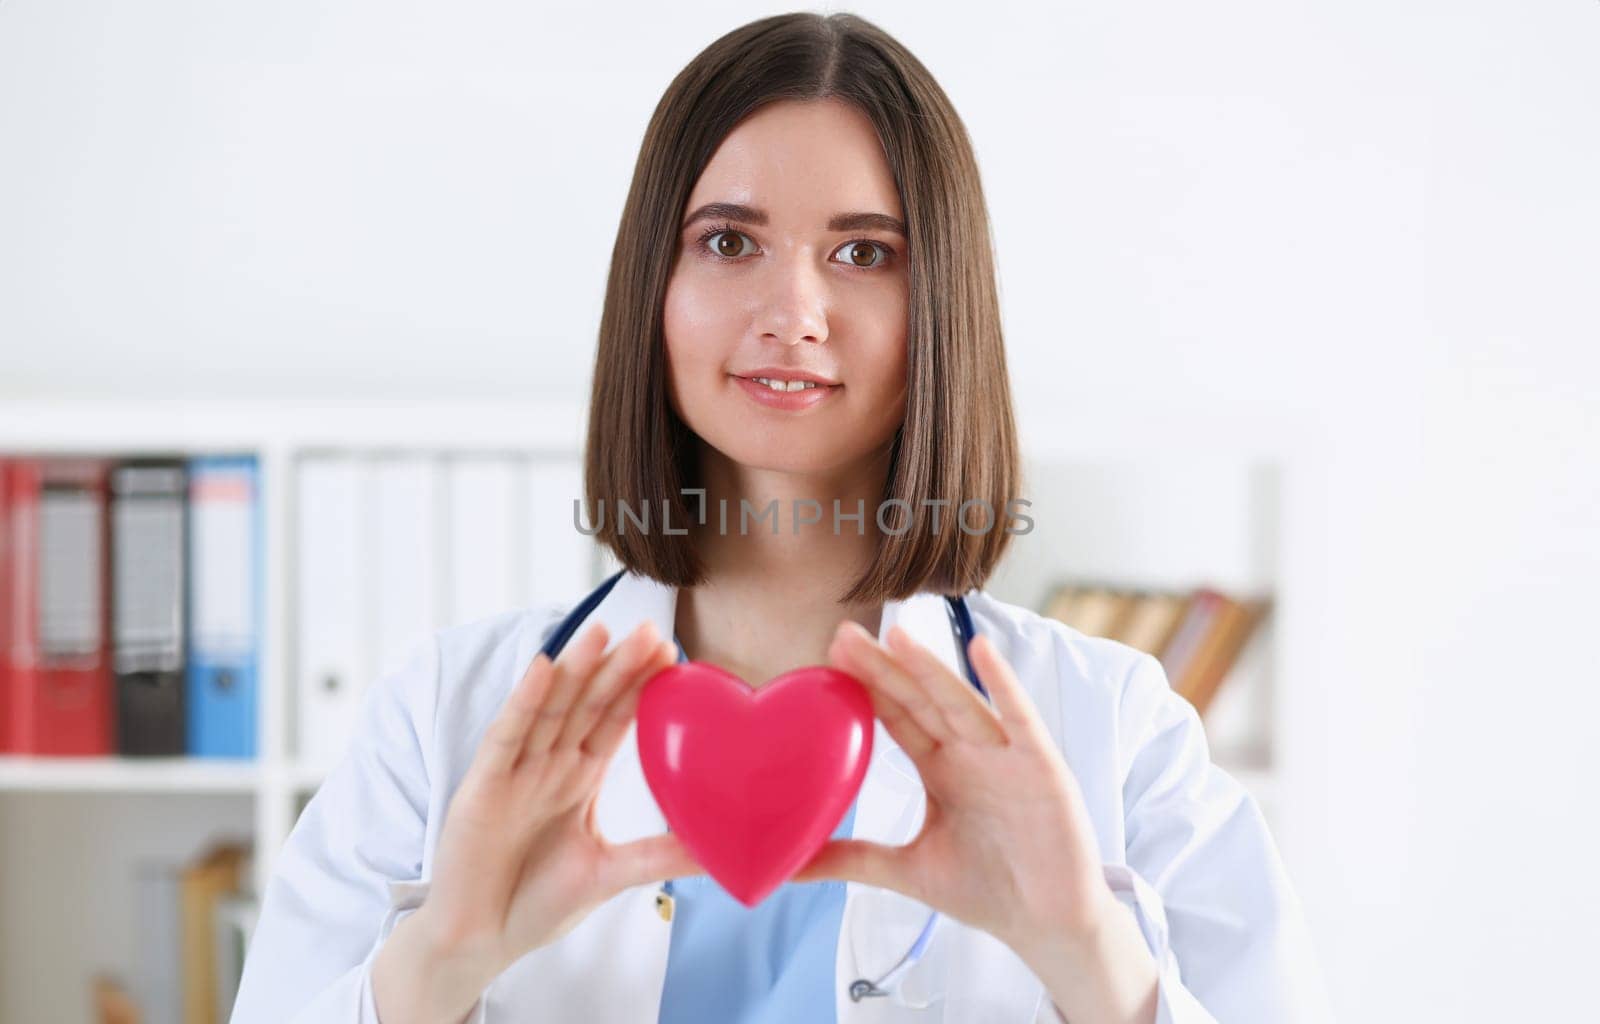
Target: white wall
[1375,220]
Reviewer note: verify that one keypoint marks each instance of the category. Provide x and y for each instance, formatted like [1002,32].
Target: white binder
[331,667]
[561,561]
[484,515]
[405,590]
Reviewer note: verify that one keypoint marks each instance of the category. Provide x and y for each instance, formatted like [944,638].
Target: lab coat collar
[890,801]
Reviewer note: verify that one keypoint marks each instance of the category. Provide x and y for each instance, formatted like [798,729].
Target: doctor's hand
[520,860]
[1007,844]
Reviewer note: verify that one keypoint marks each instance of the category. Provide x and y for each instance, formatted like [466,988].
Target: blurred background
[297,312]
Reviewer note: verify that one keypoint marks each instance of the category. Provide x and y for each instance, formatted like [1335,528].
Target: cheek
[692,319]
[674,326]
[680,327]
[694,339]
[887,359]
[678,355]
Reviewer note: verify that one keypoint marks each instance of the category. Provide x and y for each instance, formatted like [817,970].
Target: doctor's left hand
[1007,844]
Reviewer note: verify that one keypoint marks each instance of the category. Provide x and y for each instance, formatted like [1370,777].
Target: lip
[791,401]
[780,373]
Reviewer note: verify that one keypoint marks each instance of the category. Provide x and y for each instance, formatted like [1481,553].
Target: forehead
[801,160]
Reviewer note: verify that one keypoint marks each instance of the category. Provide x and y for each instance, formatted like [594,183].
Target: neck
[770,600]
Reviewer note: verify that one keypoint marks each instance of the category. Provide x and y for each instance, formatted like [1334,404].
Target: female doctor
[801,310]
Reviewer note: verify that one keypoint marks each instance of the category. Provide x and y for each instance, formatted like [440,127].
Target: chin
[798,448]
[778,456]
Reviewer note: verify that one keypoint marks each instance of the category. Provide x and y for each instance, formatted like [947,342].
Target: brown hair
[958,440]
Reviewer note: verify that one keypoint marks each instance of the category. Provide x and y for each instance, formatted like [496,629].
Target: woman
[801,315]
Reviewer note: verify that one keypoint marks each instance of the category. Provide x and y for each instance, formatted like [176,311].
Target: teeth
[778,385]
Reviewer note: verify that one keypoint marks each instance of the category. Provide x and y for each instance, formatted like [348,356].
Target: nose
[794,309]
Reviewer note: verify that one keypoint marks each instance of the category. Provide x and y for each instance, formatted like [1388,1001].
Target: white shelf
[126,774]
[305,778]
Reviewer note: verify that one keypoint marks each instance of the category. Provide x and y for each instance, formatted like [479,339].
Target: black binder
[149,603]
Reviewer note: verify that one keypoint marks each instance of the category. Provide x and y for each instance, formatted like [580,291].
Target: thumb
[854,860]
[647,860]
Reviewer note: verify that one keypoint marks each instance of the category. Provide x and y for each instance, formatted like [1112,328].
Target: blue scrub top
[770,964]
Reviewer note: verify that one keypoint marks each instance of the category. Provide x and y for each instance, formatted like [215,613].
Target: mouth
[780,379]
[786,389]
[780,385]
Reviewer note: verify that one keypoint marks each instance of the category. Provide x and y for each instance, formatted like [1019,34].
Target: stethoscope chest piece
[861,988]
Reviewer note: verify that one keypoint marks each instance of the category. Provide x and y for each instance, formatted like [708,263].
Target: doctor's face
[790,267]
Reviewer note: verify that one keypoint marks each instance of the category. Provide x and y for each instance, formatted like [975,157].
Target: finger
[897,719]
[879,669]
[643,861]
[855,860]
[574,665]
[1017,713]
[506,735]
[615,669]
[606,736]
[969,715]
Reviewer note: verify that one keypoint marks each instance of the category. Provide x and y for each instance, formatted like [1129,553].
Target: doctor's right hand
[520,860]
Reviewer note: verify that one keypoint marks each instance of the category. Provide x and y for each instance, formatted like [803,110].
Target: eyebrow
[839,221]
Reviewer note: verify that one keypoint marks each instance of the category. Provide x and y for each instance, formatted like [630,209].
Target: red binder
[55,663]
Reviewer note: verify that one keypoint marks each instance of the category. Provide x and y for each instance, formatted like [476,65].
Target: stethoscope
[961,622]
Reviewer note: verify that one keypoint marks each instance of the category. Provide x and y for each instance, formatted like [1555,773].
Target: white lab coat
[1185,847]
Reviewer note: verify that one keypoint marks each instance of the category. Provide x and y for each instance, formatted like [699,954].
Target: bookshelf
[1153,503]
[127,775]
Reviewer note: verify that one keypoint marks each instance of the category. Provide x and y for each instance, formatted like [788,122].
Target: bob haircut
[958,440]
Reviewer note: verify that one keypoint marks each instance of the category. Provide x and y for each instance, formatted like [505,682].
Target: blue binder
[225,605]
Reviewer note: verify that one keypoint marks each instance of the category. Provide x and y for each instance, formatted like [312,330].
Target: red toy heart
[753,781]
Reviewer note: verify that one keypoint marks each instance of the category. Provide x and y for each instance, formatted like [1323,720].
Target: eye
[861,248]
[726,242]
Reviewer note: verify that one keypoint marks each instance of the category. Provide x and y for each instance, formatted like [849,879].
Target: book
[1231,626]
[1152,621]
[235,920]
[206,881]
[113,1003]
[1197,635]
